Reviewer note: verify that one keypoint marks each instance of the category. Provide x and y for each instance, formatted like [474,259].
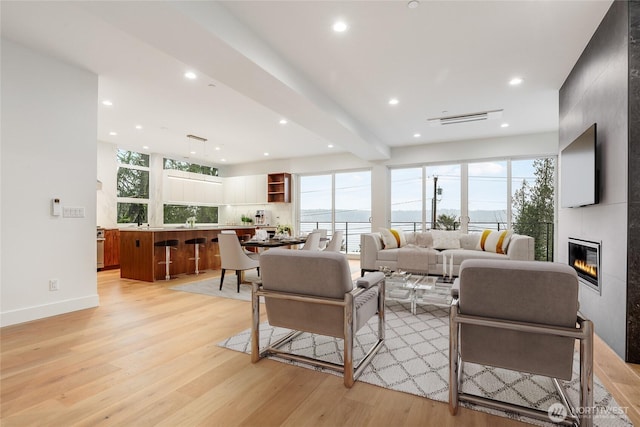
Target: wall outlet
[54,285]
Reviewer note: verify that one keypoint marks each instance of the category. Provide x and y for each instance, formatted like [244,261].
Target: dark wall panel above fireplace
[597,91]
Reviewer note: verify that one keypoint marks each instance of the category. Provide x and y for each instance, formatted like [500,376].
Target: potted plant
[284,229]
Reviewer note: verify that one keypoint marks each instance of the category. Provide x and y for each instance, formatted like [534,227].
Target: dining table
[273,243]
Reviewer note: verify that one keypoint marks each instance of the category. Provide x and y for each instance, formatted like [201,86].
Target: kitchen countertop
[204,228]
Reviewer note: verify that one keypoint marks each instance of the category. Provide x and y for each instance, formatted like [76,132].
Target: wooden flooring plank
[149,356]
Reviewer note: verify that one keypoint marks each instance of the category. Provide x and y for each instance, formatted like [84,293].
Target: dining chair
[312,242]
[335,245]
[232,257]
[323,237]
[250,254]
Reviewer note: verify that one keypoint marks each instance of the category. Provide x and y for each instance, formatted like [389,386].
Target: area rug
[211,286]
[415,359]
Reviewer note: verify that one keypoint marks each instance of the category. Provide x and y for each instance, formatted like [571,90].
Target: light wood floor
[148,356]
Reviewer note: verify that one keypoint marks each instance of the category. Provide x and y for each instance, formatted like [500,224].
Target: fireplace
[584,257]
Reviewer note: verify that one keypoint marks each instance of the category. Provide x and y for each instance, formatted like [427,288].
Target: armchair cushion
[370,279]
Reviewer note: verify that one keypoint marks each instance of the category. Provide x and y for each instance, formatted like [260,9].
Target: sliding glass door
[337,202]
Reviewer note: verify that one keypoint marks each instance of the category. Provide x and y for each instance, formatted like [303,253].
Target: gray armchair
[522,316]
[312,291]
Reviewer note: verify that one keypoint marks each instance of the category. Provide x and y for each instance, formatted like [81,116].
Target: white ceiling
[260,61]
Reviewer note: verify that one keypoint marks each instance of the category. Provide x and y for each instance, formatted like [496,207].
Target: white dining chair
[335,245]
[232,257]
[323,237]
[312,242]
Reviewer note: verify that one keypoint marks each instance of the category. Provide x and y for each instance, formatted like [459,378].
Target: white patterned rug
[415,359]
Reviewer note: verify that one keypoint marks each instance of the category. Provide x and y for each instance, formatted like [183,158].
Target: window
[488,196]
[132,213]
[444,180]
[533,197]
[406,199]
[413,210]
[337,202]
[190,167]
[132,187]
[178,214]
[315,202]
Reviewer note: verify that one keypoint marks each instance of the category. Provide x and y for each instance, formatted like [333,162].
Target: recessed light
[340,27]
[192,152]
[504,125]
[330,146]
[413,4]
[145,147]
[190,75]
[266,154]
[223,160]
[217,148]
[283,121]
[416,135]
[393,101]
[138,127]
[515,81]
[113,133]
[107,103]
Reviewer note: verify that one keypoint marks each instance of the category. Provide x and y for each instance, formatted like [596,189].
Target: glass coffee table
[416,289]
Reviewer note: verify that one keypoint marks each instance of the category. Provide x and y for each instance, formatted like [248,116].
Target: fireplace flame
[589,269]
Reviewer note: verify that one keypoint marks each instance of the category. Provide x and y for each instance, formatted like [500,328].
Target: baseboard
[28,314]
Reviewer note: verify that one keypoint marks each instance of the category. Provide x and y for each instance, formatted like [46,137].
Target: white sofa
[420,256]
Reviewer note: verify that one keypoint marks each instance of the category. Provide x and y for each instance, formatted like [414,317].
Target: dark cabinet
[111,248]
[279,188]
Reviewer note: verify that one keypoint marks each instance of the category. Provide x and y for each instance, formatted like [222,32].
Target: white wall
[49,127]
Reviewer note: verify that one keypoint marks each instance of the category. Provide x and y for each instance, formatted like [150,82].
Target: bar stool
[196,242]
[168,245]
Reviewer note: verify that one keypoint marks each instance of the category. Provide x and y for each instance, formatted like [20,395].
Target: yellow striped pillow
[495,241]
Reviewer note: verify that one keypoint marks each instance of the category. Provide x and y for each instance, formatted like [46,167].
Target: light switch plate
[73,212]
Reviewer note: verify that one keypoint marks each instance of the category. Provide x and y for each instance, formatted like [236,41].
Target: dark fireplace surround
[584,257]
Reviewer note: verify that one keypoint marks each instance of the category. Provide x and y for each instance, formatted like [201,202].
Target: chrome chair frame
[583,333]
[350,371]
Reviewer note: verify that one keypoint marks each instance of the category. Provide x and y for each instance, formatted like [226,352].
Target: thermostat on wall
[56,208]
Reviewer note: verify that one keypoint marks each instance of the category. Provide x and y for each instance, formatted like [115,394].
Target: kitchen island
[140,258]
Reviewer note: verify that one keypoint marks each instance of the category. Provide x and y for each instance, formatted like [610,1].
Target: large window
[533,202]
[406,199]
[413,204]
[190,167]
[488,196]
[132,187]
[443,196]
[337,202]
[178,214]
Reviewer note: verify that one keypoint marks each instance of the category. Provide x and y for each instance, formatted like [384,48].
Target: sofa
[426,252]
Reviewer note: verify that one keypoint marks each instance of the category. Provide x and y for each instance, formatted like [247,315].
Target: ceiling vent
[465,118]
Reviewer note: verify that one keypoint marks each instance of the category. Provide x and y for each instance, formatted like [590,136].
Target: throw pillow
[399,235]
[388,239]
[495,241]
[444,239]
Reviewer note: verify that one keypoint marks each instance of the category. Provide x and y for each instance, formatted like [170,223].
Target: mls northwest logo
[557,412]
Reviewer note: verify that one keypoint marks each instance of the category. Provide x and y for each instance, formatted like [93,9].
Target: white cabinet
[243,190]
[187,187]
